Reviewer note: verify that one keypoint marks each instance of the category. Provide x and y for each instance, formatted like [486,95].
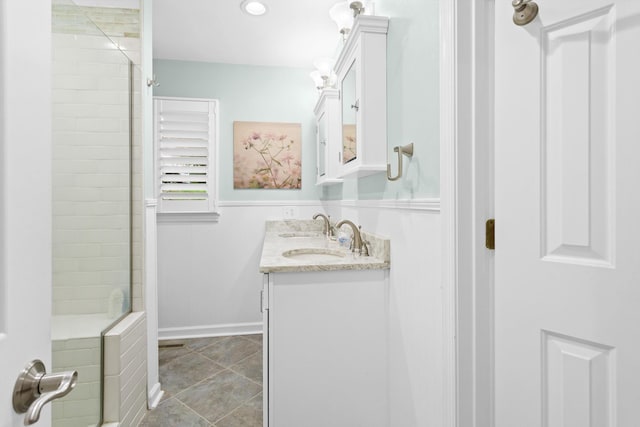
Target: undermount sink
[300,234]
[314,254]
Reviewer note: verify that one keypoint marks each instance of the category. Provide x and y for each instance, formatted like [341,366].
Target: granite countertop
[312,251]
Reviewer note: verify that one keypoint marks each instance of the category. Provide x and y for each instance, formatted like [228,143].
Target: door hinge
[490,234]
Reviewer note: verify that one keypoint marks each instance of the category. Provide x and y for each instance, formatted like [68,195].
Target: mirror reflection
[322,143]
[349,113]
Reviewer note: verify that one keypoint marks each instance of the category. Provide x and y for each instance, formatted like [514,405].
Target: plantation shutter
[185,132]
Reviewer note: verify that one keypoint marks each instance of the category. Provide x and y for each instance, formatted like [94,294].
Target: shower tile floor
[210,382]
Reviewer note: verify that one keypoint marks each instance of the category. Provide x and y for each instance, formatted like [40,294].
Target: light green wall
[249,93]
[412,104]
[413,98]
[147,100]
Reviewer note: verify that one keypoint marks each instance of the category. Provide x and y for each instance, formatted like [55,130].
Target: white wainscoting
[208,278]
[209,284]
[415,295]
[154,393]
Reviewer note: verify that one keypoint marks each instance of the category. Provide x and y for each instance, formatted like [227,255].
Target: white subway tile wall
[91,207]
[91,160]
[125,370]
[81,188]
[82,407]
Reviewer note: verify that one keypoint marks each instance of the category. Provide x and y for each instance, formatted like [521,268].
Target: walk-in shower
[94,224]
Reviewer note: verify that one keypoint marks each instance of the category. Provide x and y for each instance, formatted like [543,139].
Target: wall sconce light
[342,15]
[323,76]
[357,7]
[318,81]
[366,7]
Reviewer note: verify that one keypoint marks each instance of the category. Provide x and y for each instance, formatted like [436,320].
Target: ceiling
[292,33]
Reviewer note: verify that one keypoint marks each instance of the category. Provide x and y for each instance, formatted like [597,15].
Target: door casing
[466,191]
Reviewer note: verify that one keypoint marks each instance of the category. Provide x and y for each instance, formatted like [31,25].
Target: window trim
[212,214]
[173,217]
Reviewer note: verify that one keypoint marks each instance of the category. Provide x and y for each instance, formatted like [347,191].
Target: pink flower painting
[267,155]
[349,151]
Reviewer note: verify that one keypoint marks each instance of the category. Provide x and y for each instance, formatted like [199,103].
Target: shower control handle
[35,388]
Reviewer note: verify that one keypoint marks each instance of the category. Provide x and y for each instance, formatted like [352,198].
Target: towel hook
[152,82]
[407,150]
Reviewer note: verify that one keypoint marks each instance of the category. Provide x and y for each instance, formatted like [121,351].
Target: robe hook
[406,150]
[152,82]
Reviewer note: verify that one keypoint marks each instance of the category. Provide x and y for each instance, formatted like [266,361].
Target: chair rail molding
[430,205]
[423,204]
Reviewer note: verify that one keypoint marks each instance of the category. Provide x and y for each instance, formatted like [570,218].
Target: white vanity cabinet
[326,340]
[362,80]
[328,145]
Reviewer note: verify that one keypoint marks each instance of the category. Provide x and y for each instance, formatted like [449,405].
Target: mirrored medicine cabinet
[352,121]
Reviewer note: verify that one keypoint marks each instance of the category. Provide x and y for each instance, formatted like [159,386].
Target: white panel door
[567,321]
[25,195]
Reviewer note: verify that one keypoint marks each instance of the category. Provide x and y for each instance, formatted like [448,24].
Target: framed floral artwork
[267,155]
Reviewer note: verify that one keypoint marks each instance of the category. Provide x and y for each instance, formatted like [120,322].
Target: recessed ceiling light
[254,7]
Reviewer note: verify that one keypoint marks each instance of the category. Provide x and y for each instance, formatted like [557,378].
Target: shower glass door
[92,219]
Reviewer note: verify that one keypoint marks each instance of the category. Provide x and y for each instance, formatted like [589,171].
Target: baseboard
[154,395]
[209,331]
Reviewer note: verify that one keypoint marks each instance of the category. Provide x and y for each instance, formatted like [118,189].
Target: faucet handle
[331,230]
[365,248]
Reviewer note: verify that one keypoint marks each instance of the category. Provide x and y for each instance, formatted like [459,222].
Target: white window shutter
[185,141]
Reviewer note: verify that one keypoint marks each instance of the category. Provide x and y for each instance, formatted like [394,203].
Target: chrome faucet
[357,245]
[328,229]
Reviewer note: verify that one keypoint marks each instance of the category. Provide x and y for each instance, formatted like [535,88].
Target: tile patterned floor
[210,382]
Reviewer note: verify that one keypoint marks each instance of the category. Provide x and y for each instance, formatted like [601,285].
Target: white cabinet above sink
[327,113]
[362,80]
